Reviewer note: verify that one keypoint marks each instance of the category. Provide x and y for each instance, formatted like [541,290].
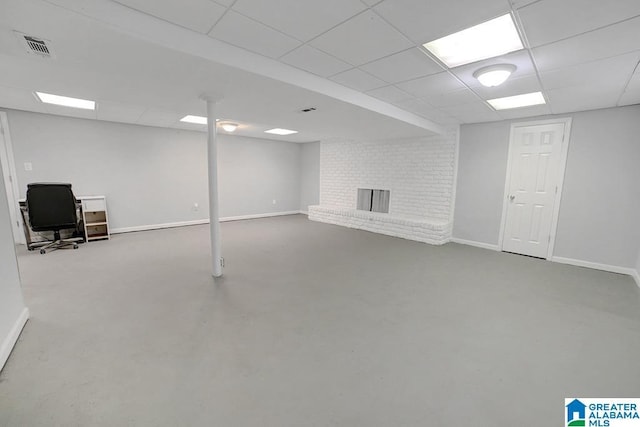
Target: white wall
[482,166]
[155,175]
[12,310]
[255,172]
[600,204]
[309,175]
[418,172]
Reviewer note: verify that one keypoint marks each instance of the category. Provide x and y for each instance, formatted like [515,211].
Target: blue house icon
[573,407]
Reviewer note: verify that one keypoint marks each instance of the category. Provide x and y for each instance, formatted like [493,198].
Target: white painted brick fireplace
[419,173]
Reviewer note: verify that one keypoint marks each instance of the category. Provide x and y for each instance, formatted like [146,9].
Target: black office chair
[52,207]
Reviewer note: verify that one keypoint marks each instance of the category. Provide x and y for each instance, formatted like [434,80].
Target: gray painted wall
[600,204]
[154,175]
[255,172]
[309,175]
[11,302]
[482,168]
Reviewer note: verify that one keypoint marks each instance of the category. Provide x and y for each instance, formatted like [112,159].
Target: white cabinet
[95,218]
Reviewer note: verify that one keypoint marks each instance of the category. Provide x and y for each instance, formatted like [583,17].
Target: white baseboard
[198,222]
[596,266]
[476,244]
[561,260]
[11,339]
[256,216]
[158,226]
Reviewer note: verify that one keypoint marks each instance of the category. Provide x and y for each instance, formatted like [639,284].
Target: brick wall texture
[418,172]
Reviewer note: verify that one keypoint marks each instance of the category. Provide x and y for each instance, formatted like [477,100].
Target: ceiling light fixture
[524,100]
[486,40]
[228,127]
[66,101]
[278,131]
[198,120]
[494,75]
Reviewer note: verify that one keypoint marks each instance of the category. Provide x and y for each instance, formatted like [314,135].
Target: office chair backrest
[51,206]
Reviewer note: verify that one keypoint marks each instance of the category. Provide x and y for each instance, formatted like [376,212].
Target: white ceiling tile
[407,65]
[604,43]
[548,21]
[225,3]
[476,112]
[516,113]
[302,19]
[413,104]
[197,15]
[371,2]
[20,99]
[359,80]
[630,97]
[634,83]
[191,126]
[436,84]
[315,61]
[246,33]
[471,107]
[511,87]
[422,108]
[456,97]
[119,112]
[362,39]
[612,72]
[581,98]
[157,117]
[390,94]
[425,21]
[521,59]
[521,3]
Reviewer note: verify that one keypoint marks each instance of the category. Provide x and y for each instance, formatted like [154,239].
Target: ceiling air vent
[36,45]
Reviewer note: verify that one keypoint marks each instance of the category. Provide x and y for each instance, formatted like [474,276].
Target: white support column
[214,214]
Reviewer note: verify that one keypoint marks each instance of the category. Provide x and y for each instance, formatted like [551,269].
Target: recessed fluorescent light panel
[486,40]
[278,131]
[198,120]
[65,101]
[525,100]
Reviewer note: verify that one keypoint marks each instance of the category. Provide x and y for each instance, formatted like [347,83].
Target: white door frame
[16,218]
[566,121]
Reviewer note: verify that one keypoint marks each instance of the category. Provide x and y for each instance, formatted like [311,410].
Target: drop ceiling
[360,63]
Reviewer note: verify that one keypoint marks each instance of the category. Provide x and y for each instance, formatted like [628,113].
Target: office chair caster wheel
[42,251]
[75,246]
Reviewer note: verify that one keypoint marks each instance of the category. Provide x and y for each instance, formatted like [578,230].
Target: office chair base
[62,244]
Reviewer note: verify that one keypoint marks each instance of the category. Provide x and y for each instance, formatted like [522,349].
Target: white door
[536,163]
[9,179]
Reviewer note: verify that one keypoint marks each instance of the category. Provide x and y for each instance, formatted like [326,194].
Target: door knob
[511,198]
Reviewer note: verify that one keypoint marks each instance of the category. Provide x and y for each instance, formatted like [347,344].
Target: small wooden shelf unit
[95,219]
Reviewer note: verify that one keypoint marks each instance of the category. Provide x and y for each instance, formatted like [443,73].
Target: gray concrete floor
[313,325]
